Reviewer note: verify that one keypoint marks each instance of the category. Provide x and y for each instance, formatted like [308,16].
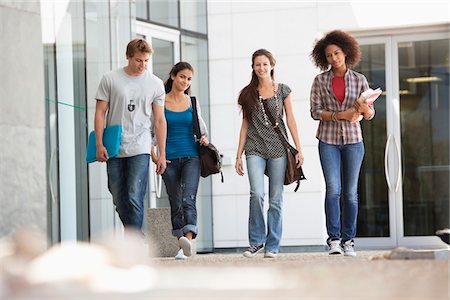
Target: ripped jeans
[181,179]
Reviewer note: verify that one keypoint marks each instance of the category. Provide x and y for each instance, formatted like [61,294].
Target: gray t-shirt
[130,105]
[262,140]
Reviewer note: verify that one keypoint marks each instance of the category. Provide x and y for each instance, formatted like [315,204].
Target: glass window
[142,9]
[193,15]
[162,57]
[164,12]
[195,52]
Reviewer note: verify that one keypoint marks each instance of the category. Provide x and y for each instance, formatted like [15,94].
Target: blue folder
[111,140]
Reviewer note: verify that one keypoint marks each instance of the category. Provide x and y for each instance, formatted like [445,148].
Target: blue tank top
[180,136]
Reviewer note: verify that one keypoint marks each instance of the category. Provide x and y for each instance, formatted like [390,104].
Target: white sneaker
[335,247]
[348,248]
[269,254]
[186,245]
[180,255]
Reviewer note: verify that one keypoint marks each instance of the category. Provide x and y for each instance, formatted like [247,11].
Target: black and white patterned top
[262,140]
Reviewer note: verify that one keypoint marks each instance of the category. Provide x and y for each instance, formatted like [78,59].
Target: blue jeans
[181,179]
[348,158]
[127,182]
[256,226]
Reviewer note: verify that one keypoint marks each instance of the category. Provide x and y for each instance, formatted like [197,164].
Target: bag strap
[283,139]
[195,121]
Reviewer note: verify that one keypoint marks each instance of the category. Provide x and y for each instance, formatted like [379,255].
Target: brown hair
[343,40]
[136,45]
[248,97]
[182,65]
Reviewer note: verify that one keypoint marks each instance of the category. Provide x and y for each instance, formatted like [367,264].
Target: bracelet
[334,116]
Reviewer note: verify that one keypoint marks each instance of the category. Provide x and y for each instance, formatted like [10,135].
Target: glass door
[404,182]
[376,216]
[423,93]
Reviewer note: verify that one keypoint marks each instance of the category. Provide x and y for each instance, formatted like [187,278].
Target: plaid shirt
[323,99]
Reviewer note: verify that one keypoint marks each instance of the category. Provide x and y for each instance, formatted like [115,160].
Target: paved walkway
[308,276]
[314,276]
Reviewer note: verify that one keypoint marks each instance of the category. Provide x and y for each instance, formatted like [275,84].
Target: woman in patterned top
[264,151]
[334,101]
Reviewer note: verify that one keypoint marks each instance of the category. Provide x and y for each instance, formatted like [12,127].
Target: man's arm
[161,133]
[99,125]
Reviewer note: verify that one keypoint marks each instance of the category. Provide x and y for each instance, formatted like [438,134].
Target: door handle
[158,183]
[386,152]
[397,149]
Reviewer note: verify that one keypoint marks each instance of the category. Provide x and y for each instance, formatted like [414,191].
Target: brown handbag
[292,173]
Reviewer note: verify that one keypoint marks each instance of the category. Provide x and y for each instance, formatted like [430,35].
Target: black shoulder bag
[210,158]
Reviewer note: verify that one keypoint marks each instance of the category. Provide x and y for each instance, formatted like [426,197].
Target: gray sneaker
[335,247]
[348,248]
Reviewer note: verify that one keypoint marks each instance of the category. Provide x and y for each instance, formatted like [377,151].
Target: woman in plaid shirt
[334,102]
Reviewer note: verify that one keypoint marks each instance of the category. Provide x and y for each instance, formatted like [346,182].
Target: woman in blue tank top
[182,174]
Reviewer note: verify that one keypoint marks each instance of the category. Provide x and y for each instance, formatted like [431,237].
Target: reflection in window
[424,116]
[193,15]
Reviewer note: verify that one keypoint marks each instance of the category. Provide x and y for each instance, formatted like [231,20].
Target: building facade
[66,46]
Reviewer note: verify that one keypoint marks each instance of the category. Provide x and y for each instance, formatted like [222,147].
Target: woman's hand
[299,159]
[204,140]
[350,114]
[239,167]
[155,157]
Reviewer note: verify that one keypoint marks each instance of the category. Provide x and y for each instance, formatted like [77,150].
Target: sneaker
[180,255]
[253,250]
[185,245]
[348,248]
[269,254]
[335,247]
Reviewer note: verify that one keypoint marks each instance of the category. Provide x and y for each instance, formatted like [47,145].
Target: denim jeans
[181,179]
[256,226]
[341,160]
[127,182]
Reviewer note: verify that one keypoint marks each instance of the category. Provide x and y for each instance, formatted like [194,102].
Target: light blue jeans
[181,179]
[127,182]
[341,160]
[276,167]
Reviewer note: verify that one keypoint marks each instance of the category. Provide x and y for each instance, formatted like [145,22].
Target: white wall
[288,29]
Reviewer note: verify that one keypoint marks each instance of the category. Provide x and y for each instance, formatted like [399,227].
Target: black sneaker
[253,250]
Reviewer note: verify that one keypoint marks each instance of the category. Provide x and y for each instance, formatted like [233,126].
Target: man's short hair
[138,45]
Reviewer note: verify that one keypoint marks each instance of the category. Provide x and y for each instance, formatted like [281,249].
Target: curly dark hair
[343,40]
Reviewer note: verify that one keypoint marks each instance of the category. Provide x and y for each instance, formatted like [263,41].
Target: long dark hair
[248,97]
[182,65]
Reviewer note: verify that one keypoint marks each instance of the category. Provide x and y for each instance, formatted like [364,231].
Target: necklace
[266,120]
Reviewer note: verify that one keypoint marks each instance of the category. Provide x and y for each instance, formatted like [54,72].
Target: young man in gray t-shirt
[131,96]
